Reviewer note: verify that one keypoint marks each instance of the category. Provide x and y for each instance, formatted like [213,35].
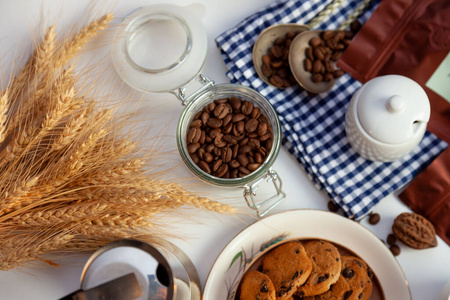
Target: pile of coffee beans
[229,138]
[275,65]
[325,50]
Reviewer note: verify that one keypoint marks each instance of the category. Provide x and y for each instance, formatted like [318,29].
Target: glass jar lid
[159,48]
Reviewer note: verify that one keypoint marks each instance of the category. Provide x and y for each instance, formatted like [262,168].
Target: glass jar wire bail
[264,206]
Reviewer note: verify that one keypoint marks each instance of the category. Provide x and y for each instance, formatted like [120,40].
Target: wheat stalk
[72,176]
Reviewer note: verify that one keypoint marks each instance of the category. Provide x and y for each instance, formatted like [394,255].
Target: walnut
[415,231]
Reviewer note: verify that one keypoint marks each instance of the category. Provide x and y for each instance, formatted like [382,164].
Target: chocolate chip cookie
[336,291]
[356,273]
[288,266]
[326,268]
[257,285]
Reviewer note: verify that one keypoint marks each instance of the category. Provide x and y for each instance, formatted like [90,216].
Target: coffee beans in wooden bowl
[324,50]
[229,138]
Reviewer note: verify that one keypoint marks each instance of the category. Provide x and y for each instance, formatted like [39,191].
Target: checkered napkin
[313,126]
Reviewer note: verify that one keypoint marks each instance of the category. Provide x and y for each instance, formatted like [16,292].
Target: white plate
[258,237]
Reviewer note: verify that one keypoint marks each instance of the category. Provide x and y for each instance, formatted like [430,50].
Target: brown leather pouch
[429,195]
[412,38]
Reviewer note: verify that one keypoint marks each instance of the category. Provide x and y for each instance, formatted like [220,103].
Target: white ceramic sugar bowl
[387,117]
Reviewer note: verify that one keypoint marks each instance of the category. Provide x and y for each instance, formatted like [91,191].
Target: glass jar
[251,182]
[144,69]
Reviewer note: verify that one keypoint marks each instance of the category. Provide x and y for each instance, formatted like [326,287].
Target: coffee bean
[216,164]
[210,107]
[227,119]
[192,148]
[194,135]
[338,73]
[266,59]
[395,249]
[319,53]
[245,149]
[328,77]
[214,123]
[277,81]
[242,159]
[218,141]
[262,128]
[317,66]
[308,65]
[221,111]
[266,70]
[275,64]
[213,133]
[230,139]
[247,108]
[196,123]
[265,136]
[327,34]
[235,149]
[269,143]
[244,141]
[317,78]
[195,158]
[256,113]
[235,103]
[391,239]
[315,41]
[204,166]
[332,206]
[234,164]
[228,128]
[227,154]
[254,143]
[355,26]
[251,125]
[237,118]
[208,157]
[276,51]
[258,158]
[374,218]
[244,170]
[253,166]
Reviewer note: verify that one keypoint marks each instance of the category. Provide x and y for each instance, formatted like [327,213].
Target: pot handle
[264,206]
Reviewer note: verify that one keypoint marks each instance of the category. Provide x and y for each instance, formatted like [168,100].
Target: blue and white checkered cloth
[313,126]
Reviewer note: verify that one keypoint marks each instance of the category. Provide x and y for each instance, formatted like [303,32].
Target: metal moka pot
[163,272]
[387,117]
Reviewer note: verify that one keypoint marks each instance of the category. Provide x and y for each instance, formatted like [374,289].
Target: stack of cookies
[311,270]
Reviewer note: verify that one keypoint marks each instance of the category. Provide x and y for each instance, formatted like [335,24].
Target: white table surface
[206,234]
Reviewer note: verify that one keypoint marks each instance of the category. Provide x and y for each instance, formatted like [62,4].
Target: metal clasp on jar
[181,92]
[262,207]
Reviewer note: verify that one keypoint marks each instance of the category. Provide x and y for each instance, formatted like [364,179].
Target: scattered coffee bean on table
[275,65]
[395,249]
[332,206]
[229,138]
[374,218]
[391,239]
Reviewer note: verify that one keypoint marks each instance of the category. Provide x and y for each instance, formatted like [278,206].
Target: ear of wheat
[70,181]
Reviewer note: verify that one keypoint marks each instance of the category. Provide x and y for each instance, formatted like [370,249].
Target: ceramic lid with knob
[392,109]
